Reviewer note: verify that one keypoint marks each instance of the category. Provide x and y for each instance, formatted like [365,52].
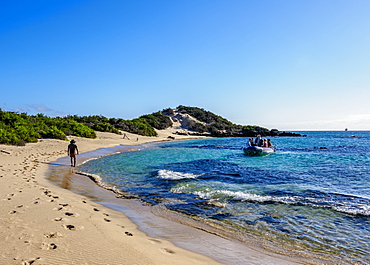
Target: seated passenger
[258,141]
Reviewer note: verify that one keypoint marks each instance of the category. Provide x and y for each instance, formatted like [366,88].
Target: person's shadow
[50,163]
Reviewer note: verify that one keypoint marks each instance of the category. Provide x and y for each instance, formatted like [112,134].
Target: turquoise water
[312,195]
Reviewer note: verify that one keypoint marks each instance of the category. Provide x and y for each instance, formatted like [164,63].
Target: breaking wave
[172,175]
[323,201]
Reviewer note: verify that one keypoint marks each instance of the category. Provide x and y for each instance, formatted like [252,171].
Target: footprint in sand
[107,220]
[70,214]
[128,234]
[70,227]
[31,261]
[169,251]
[58,219]
[52,246]
[53,235]
[12,212]
[48,246]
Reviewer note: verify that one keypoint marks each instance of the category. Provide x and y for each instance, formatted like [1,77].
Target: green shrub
[18,129]
[8,137]
[141,127]
[157,120]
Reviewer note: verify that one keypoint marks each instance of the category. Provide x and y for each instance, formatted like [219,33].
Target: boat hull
[258,151]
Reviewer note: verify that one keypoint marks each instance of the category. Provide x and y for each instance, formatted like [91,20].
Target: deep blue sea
[312,194]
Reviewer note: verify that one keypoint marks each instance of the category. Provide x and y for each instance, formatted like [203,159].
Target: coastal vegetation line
[21,128]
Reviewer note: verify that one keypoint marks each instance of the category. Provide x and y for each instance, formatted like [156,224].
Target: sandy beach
[42,223]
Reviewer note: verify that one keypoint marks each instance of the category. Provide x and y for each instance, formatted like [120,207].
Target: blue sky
[285,64]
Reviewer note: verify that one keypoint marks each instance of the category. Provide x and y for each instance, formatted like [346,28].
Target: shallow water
[312,195]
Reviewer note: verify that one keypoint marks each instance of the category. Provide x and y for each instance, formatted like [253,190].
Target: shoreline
[160,223]
[46,224]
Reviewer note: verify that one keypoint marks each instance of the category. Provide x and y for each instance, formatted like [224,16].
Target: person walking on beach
[72,152]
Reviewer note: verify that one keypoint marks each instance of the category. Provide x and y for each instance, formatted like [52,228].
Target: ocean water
[311,196]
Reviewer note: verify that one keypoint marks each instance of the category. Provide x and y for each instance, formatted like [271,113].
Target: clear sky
[285,64]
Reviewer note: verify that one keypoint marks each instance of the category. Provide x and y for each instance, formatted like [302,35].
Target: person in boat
[258,141]
[250,142]
[265,143]
[269,144]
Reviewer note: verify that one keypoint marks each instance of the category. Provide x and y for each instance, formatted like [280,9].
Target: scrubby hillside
[193,120]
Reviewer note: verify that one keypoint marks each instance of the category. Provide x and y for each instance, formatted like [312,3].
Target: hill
[193,120]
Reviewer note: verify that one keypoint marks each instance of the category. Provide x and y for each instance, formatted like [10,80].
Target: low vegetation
[144,125]
[18,129]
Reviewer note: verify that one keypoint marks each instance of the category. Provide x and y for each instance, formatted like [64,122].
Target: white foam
[90,159]
[243,196]
[172,175]
[362,210]
[235,195]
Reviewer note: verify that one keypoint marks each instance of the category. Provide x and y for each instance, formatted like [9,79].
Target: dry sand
[42,223]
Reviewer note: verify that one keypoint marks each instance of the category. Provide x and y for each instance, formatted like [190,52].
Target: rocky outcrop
[183,121]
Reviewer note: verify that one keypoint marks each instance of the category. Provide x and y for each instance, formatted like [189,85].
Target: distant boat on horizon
[346,129]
